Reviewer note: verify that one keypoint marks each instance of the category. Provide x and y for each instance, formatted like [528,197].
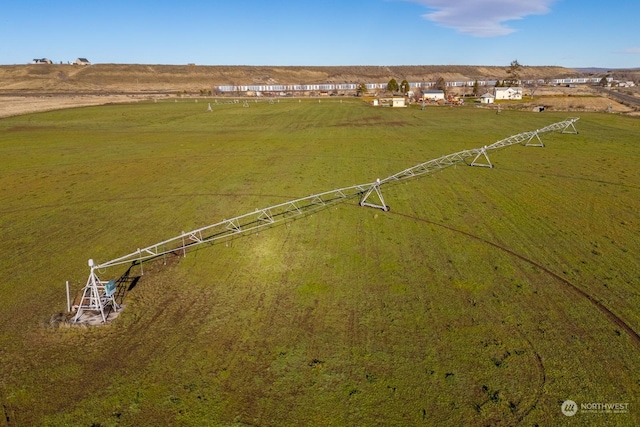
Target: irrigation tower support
[375,187]
[483,152]
[96,295]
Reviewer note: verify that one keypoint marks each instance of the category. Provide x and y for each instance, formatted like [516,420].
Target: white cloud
[482,18]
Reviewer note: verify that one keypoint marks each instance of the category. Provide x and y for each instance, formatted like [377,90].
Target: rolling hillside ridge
[159,78]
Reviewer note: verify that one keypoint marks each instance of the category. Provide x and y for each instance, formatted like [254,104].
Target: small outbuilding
[487,98]
[393,101]
[398,101]
[81,61]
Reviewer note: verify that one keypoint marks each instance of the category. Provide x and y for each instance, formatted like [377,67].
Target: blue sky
[570,33]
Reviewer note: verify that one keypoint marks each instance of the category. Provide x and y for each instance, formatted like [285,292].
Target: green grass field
[484,297]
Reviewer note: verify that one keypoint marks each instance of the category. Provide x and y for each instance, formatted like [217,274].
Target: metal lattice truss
[481,153]
[243,224]
[267,217]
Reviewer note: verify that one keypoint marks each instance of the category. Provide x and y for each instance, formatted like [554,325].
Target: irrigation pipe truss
[97,294]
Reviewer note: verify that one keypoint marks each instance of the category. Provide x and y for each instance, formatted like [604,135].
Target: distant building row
[430,95]
[487,98]
[329,87]
[79,61]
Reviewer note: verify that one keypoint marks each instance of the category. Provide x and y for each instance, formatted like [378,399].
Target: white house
[82,61]
[487,98]
[508,93]
[433,95]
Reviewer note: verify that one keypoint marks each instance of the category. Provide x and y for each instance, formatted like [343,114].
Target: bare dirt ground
[583,98]
[17,105]
[572,103]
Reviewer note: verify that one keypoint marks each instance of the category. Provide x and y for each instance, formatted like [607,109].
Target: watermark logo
[569,408]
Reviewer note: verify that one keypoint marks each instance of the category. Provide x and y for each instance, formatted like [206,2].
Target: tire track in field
[543,380]
[635,337]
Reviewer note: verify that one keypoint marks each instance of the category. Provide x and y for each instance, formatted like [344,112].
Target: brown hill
[170,78]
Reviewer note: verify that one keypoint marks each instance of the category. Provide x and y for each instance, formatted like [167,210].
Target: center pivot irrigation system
[98,294]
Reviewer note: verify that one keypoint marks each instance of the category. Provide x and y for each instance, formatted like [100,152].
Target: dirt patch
[17,105]
[88,318]
[581,103]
